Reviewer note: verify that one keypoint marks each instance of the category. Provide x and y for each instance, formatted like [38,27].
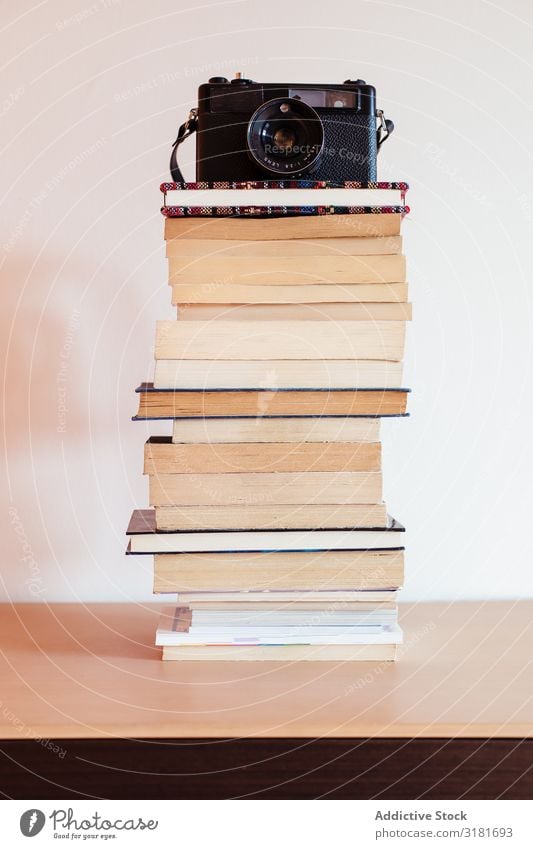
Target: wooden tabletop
[78,671]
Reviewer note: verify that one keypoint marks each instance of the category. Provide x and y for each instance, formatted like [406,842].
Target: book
[249,211]
[146,539]
[291,340]
[279,598]
[274,570]
[298,227]
[277,374]
[316,293]
[191,618]
[225,608]
[283,193]
[162,456]
[188,627]
[289,271]
[265,488]
[369,311]
[196,620]
[236,624]
[333,653]
[297,636]
[188,403]
[255,516]
[363,246]
[261,429]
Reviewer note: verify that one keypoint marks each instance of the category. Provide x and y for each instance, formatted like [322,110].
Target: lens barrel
[285,136]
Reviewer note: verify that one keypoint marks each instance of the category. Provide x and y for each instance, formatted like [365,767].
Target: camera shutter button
[214,80]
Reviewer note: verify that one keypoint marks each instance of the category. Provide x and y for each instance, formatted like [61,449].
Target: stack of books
[267,516]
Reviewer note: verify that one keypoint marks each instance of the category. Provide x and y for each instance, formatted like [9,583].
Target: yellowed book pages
[339,653]
[161,456]
[277,374]
[174,404]
[291,340]
[278,570]
[298,227]
[288,271]
[284,517]
[220,293]
[295,312]
[266,488]
[284,247]
[276,430]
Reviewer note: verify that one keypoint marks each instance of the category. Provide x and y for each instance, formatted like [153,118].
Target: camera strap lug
[385,127]
[186,129]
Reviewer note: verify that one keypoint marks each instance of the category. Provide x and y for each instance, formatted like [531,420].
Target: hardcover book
[174,403]
[262,198]
[146,539]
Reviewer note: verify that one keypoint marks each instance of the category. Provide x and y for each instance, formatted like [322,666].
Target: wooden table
[88,709]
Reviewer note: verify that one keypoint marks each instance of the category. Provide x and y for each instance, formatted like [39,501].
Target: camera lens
[285,136]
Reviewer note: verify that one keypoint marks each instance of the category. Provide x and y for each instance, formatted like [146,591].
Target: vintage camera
[271,131]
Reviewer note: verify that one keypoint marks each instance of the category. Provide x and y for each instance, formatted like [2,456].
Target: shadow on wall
[68,403]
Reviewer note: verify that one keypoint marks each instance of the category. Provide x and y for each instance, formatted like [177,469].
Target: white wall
[91,99]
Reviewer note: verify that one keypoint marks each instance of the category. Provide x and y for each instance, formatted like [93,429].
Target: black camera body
[269,131]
